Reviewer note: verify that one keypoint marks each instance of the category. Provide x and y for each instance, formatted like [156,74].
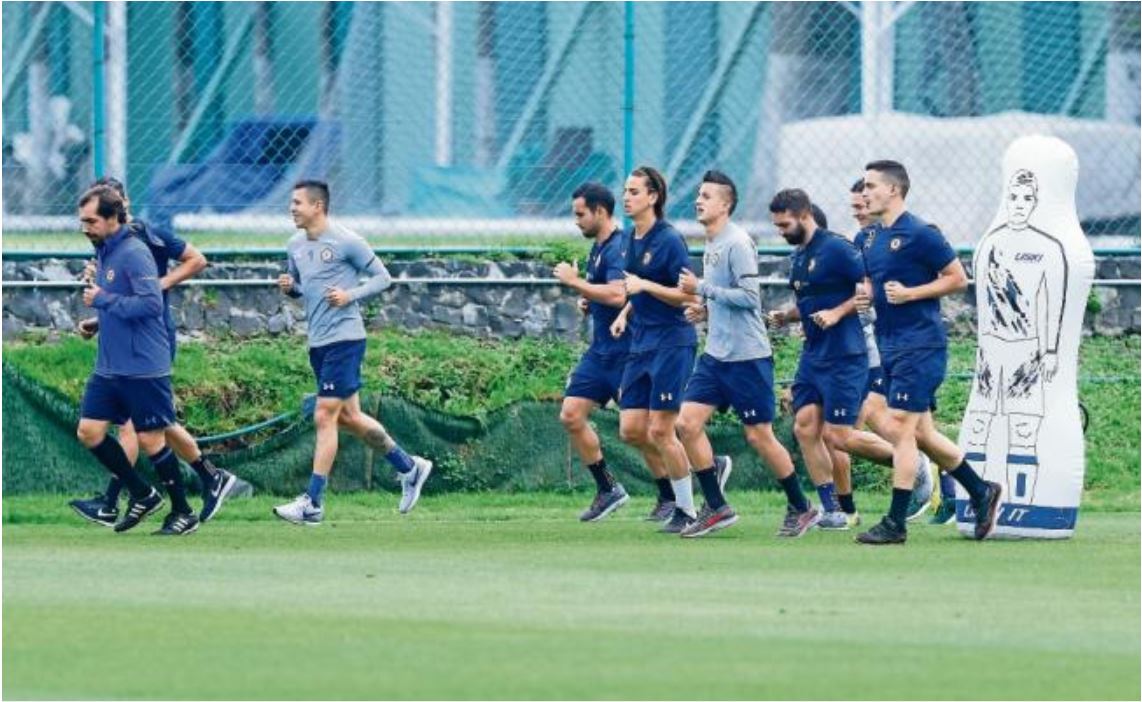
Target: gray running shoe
[678,521]
[834,521]
[605,503]
[662,511]
[710,520]
[797,523]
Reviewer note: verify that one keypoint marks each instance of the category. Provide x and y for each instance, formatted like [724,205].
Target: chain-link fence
[438,118]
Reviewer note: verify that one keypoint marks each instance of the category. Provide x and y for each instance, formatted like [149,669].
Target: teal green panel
[1091,98]
[911,45]
[297,36]
[999,55]
[408,104]
[1051,42]
[738,115]
[649,85]
[151,119]
[465,25]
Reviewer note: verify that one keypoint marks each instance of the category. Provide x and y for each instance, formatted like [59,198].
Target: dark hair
[596,195]
[655,183]
[819,217]
[719,178]
[858,187]
[315,190]
[894,172]
[792,200]
[110,203]
[113,183]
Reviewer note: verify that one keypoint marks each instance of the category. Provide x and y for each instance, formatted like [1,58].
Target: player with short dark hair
[911,266]
[736,369]
[131,380]
[595,380]
[326,261]
[663,343]
[217,484]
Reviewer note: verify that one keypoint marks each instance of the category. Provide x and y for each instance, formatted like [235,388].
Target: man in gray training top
[736,368]
[325,265]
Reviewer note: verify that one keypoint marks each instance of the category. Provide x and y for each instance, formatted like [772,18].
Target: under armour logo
[749,413]
[878,382]
[839,412]
[327,386]
[902,396]
[666,396]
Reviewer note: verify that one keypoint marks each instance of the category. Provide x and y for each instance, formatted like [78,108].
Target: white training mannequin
[1033,272]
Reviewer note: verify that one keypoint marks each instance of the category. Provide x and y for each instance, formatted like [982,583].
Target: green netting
[519,448]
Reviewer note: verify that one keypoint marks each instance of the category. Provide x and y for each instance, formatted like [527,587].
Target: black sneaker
[710,520]
[221,484]
[678,521]
[97,510]
[663,509]
[987,510]
[138,511]
[886,532]
[605,503]
[178,525]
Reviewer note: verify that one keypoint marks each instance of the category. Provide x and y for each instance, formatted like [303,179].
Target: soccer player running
[326,261]
[595,381]
[736,368]
[217,484]
[663,342]
[131,380]
[910,266]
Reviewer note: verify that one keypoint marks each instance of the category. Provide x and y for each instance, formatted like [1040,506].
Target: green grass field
[507,596]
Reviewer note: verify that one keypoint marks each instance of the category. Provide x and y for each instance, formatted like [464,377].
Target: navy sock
[899,509]
[205,471]
[166,466]
[971,481]
[316,489]
[708,480]
[114,459]
[847,503]
[792,488]
[400,460]
[604,481]
[114,487]
[828,495]
[665,489]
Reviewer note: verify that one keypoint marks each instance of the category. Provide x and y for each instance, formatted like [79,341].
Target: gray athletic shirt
[731,289]
[336,258]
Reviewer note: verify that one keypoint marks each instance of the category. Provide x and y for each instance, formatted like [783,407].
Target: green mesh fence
[519,448]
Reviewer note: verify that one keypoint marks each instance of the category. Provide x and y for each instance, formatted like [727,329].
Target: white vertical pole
[116,92]
[869,56]
[444,83]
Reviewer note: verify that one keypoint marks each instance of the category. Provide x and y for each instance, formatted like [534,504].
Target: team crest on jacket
[895,244]
[812,264]
[109,275]
[646,259]
[327,255]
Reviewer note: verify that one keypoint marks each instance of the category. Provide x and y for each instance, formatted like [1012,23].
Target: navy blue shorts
[875,382]
[837,384]
[913,376]
[598,377]
[147,402]
[655,380]
[337,367]
[746,386]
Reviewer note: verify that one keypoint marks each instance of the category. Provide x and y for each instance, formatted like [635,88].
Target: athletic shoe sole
[227,488]
[419,486]
[610,508]
[93,520]
[298,522]
[189,531]
[716,526]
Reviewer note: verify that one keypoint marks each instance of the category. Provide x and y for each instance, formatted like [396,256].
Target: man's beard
[795,237]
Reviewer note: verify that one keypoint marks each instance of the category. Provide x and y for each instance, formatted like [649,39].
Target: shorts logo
[327,386]
[646,258]
[903,397]
[666,397]
[749,413]
[327,255]
[878,382]
[895,244]
[812,264]
[842,412]
[109,275]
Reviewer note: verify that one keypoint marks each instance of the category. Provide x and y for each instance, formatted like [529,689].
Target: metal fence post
[98,103]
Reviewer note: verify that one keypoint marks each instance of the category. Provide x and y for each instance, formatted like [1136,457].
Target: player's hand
[337,297]
[87,328]
[694,312]
[567,272]
[776,319]
[584,305]
[896,293]
[165,283]
[634,284]
[88,276]
[619,326]
[862,299]
[688,282]
[90,293]
[1050,366]
[826,318]
[285,282]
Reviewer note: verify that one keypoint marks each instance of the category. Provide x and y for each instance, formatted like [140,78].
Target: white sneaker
[301,511]
[412,482]
[922,488]
[834,521]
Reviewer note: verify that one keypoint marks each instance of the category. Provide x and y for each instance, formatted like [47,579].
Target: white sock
[684,495]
